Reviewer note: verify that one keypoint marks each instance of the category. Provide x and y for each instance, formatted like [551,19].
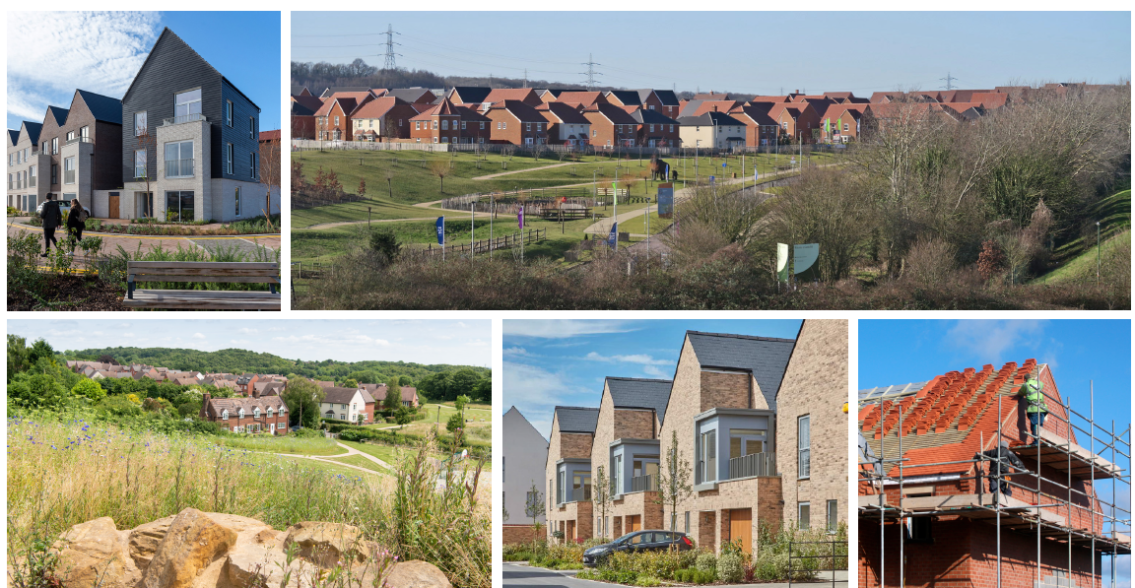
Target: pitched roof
[577,419]
[640,393]
[627,97]
[614,114]
[306,103]
[711,96]
[215,405]
[769,99]
[668,97]
[758,113]
[338,395]
[765,357]
[412,94]
[103,108]
[520,110]
[167,34]
[652,117]
[270,135]
[14,135]
[502,94]
[409,393]
[470,94]
[584,98]
[563,113]
[699,107]
[33,129]
[60,115]
[376,107]
[710,119]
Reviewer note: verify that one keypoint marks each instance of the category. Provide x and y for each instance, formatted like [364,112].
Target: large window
[707,457]
[140,123]
[140,163]
[804,447]
[744,442]
[179,159]
[229,158]
[179,206]
[85,132]
[69,170]
[186,105]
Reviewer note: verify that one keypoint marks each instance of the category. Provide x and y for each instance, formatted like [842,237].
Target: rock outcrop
[195,549]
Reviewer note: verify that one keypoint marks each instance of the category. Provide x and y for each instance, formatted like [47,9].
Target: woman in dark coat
[75,221]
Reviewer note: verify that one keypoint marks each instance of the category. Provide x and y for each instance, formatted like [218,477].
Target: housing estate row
[624,118]
[758,424]
[257,406]
[182,144]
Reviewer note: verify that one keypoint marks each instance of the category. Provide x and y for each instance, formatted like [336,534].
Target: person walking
[76,222]
[51,218]
[1004,463]
[1033,393]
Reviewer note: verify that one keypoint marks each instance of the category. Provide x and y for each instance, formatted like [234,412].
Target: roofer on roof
[1004,463]
[1033,392]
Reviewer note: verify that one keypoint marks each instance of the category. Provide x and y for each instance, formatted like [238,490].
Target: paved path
[350,451]
[521,171]
[111,241]
[523,576]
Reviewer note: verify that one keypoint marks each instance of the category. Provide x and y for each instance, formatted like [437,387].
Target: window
[417,125]
[445,125]
[435,126]
[539,126]
[140,124]
[251,128]
[236,197]
[671,128]
[269,412]
[9,181]
[54,173]
[256,412]
[707,456]
[652,128]
[527,127]
[186,104]
[70,136]
[179,206]
[229,113]
[918,529]
[179,159]
[336,120]
[744,442]
[560,477]
[69,170]
[44,148]
[55,145]
[31,176]
[784,125]
[595,132]
[225,414]
[845,127]
[229,158]
[833,516]
[804,447]
[85,132]
[463,125]
[140,163]
[804,515]
[252,165]
[482,125]
[399,122]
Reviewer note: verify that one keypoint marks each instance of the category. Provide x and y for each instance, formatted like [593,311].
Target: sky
[1077,351]
[51,54]
[750,52]
[564,362]
[465,342]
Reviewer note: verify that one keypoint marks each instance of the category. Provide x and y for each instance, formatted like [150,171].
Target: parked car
[638,541]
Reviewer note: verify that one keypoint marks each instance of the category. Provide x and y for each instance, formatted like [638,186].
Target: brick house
[568,506]
[304,107]
[626,445]
[842,123]
[471,96]
[27,167]
[517,123]
[566,125]
[382,119]
[525,95]
[798,121]
[950,528]
[247,383]
[611,126]
[655,129]
[760,128]
[584,99]
[333,119]
[668,102]
[247,415]
[51,143]
[447,123]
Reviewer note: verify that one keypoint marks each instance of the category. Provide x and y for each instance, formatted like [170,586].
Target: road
[523,576]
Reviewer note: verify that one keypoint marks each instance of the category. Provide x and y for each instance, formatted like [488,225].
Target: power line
[591,73]
[389,63]
[949,79]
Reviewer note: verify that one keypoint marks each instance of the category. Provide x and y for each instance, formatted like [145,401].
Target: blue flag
[614,235]
[441,230]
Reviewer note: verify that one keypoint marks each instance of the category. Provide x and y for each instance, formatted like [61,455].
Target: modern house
[256,414]
[27,165]
[90,152]
[382,119]
[333,119]
[611,126]
[714,130]
[523,457]
[304,107]
[760,128]
[516,122]
[190,149]
[568,506]
[655,129]
[449,123]
[345,404]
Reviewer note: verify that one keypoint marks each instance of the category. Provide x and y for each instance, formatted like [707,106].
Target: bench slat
[202,264]
[177,271]
[139,278]
[199,299]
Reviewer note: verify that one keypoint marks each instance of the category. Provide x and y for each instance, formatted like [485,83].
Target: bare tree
[440,168]
[533,508]
[674,485]
[271,161]
[390,182]
[601,498]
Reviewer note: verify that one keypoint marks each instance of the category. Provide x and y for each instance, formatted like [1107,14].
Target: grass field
[1077,258]
[285,444]
[362,462]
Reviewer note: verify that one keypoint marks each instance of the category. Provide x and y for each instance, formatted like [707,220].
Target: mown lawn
[362,462]
[284,444]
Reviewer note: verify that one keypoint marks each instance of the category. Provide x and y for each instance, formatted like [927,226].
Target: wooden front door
[634,523]
[113,206]
[570,534]
[741,528]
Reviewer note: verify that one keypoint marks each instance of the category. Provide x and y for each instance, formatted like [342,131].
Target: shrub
[730,567]
[648,581]
[90,389]
[748,572]
[771,566]
[707,562]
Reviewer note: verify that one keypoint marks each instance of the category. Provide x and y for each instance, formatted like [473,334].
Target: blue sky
[1077,352]
[564,362]
[51,54]
[754,52]
[464,342]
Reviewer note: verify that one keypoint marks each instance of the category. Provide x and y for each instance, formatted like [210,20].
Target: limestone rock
[145,538]
[326,544]
[93,553]
[417,574]
[191,544]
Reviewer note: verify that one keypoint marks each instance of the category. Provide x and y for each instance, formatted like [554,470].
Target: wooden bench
[206,272]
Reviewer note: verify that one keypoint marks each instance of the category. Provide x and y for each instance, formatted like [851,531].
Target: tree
[385,244]
[402,416]
[460,403]
[533,508]
[673,481]
[462,382]
[271,161]
[393,399]
[601,497]
[440,168]
[18,360]
[302,397]
[483,391]
[350,383]
[455,423]
[405,381]
[89,389]
[38,391]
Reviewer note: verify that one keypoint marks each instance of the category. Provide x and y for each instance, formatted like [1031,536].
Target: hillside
[243,360]
[1076,260]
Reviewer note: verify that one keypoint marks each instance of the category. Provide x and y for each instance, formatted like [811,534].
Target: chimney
[255,392]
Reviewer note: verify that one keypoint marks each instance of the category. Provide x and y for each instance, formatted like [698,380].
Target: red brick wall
[233,421]
[514,534]
[344,123]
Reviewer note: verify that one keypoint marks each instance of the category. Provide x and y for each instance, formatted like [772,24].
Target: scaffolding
[1061,454]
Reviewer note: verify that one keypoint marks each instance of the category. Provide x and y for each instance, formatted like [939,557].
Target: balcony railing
[179,168]
[581,494]
[754,464]
[68,176]
[177,120]
[644,483]
[80,140]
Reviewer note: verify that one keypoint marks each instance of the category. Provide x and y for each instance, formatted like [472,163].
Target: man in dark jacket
[52,218]
[1004,463]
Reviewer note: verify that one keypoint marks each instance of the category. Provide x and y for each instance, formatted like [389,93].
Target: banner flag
[782,262]
[441,230]
[614,235]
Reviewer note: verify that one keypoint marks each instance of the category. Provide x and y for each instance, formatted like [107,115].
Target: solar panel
[881,392]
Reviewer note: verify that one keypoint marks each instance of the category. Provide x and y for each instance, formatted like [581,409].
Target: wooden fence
[528,236]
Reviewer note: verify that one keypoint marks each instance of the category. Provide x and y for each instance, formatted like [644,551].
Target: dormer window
[256,412]
[269,412]
[240,413]
[225,414]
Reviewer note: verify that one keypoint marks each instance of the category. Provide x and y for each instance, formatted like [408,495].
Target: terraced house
[25,164]
[190,142]
[760,421]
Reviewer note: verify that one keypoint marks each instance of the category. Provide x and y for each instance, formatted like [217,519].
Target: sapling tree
[673,481]
[533,508]
[601,497]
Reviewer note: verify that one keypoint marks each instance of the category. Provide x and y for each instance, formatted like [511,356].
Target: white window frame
[252,128]
[832,516]
[804,447]
[803,522]
[229,113]
[140,123]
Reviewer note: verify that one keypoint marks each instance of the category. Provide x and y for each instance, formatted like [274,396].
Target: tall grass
[114,268]
[283,444]
[65,471]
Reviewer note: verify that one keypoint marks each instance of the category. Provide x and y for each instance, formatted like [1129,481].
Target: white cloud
[993,338]
[562,329]
[50,54]
[248,331]
[640,358]
[514,351]
[656,372]
[536,391]
[198,336]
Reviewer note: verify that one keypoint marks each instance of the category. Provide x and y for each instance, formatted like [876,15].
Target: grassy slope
[362,462]
[285,444]
[1077,258]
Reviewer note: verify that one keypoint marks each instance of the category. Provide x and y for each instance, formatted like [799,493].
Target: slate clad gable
[640,393]
[574,419]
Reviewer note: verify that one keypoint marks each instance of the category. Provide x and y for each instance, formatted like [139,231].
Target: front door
[113,205]
[570,534]
[741,528]
[272,428]
[634,523]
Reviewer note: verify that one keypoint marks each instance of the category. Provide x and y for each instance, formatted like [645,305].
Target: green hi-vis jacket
[1033,391]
